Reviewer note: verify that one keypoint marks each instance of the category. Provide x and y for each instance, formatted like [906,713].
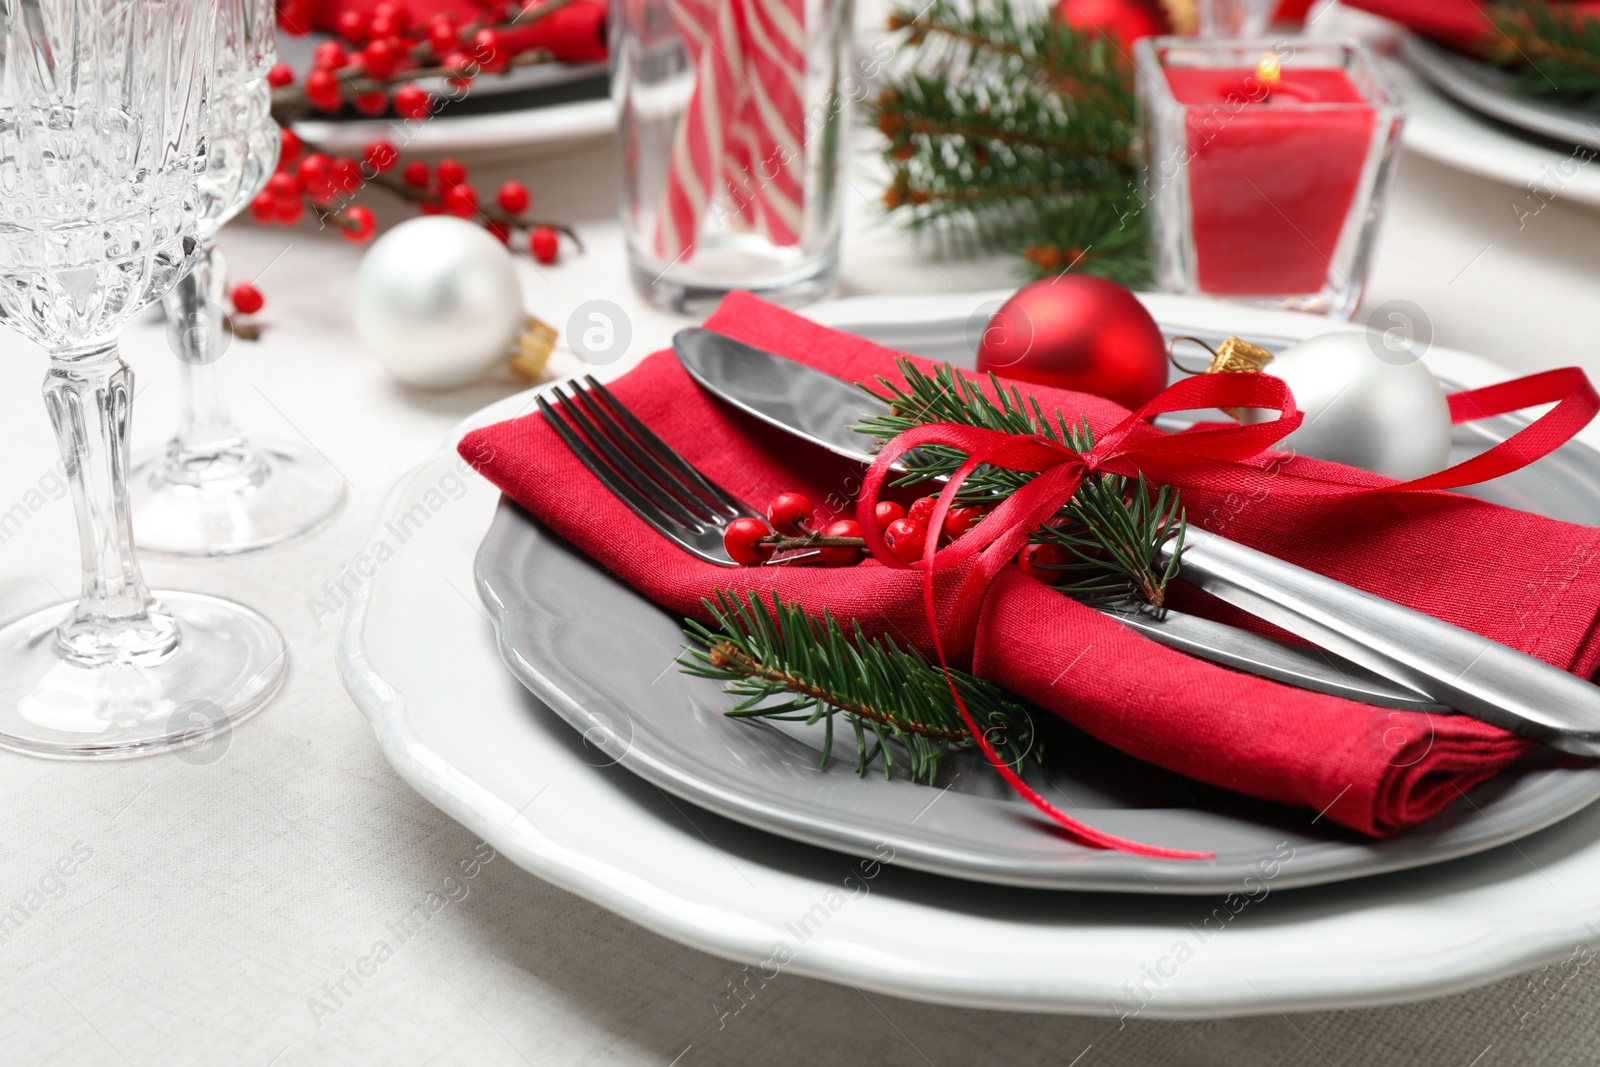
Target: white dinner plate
[477,134]
[1486,89]
[1451,133]
[1457,136]
[418,655]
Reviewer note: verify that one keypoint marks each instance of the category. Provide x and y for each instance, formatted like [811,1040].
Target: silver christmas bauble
[1385,414]
[437,302]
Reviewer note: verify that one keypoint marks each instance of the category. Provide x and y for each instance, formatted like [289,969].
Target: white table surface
[220,903]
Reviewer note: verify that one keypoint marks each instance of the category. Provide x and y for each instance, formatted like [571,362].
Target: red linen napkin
[575,33]
[1459,24]
[1509,575]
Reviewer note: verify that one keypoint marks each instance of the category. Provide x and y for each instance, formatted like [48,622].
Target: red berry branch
[790,528]
[325,183]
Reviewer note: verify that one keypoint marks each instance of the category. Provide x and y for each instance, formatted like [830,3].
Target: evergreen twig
[788,667]
[1113,528]
[1554,51]
[1009,131]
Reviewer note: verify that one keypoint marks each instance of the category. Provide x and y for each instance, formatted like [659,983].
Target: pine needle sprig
[1113,529]
[1001,36]
[1115,541]
[948,396]
[786,666]
[1097,232]
[1554,52]
[1011,132]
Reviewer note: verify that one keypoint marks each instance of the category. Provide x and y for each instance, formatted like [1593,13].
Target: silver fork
[678,501]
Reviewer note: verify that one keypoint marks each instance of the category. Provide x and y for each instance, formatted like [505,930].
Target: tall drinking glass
[210,491]
[731,120]
[102,142]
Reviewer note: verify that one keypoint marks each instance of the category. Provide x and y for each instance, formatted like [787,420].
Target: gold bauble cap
[533,349]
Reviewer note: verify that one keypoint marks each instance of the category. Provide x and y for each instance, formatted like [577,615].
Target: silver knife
[1370,649]
[822,408]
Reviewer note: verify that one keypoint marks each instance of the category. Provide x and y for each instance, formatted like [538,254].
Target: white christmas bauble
[1385,414]
[437,301]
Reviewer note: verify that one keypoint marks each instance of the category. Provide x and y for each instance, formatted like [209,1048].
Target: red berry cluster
[791,522]
[324,182]
[906,533]
[247,299]
[385,46]
[446,191]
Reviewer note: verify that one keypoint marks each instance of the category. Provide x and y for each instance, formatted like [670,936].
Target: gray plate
[541,85]
[1484,89]
[602,656]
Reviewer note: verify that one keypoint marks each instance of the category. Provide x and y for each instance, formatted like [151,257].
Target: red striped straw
[743,132]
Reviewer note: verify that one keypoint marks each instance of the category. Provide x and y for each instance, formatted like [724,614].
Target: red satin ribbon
[1205,459]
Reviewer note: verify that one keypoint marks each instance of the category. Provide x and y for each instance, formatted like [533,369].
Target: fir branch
[1113,528]
[1554,51]
[1010,132]
[786,666]
[1115,538]
[1102,234]
[999,36]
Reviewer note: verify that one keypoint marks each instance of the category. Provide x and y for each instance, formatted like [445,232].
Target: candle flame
[1269,71]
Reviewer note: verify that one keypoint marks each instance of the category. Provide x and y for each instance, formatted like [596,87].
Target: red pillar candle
[1264,178]
[1271,185]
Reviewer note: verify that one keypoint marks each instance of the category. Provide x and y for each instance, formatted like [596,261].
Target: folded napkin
[1512,576]
[1462,25]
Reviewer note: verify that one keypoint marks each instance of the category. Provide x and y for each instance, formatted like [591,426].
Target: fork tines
[634,463]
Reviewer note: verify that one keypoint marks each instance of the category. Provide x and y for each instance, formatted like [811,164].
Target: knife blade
[821,408]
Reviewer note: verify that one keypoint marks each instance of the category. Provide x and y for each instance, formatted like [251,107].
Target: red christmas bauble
[1077,331]
[1124,21]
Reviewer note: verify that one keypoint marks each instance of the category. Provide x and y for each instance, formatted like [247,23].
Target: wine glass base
[240,499]
[230,661]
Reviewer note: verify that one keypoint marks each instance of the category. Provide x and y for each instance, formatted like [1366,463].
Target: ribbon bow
[1215,459]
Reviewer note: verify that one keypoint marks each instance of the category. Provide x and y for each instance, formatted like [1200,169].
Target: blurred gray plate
[603,657]
[503,114]
[1485,89]
[540,85]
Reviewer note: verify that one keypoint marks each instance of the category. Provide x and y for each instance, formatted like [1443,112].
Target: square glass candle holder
[1268,163]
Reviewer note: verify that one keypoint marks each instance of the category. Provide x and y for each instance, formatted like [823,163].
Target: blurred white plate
[1459,137]
[1484,89]
[477,134]
[418,655]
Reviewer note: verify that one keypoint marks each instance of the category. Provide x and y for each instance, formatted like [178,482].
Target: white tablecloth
[212,910]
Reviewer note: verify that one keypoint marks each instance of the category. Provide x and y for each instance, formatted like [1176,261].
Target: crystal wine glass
[103,132]
[211,492]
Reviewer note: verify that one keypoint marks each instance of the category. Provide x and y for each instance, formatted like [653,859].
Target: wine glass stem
[89,395]
[194,312]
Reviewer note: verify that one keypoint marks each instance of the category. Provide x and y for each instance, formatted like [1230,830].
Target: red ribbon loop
[1219,458]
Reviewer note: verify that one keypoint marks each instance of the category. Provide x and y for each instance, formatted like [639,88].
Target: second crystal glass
[102,140]
[210,491]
